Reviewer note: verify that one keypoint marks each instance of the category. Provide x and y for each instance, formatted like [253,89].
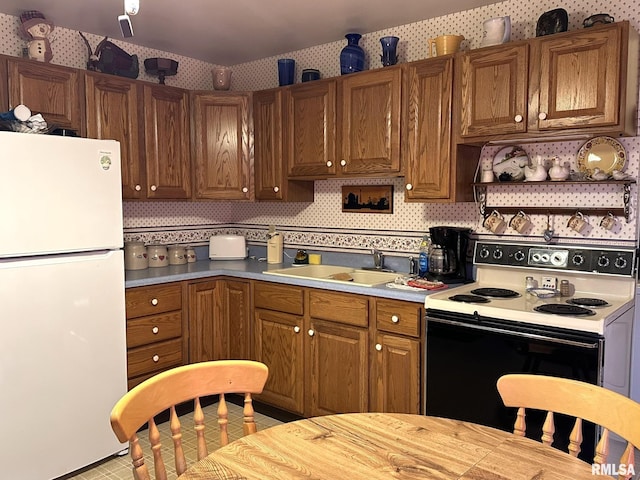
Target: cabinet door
[236,319]
[205,339]
[580,79]
[221,146]
[166,139]
[278,344]
[494,85]
[371,112]
[50,90]
[310,130]
[429,97]
[114,110]
[271,181]
[396,380]
[339,368]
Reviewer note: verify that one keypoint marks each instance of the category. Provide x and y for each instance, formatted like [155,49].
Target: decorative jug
[496,31]
[558,172]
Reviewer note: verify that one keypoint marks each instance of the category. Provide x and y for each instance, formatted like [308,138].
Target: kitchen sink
[337,274]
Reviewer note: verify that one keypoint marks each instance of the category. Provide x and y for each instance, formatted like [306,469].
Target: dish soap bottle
[274,245]
[423,257]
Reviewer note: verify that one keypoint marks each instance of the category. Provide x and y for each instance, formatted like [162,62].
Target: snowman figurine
[35,28]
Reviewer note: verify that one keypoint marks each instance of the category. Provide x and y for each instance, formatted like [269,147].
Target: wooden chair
[610,410]
[170,388]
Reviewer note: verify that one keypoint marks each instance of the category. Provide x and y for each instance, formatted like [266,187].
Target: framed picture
[367,198]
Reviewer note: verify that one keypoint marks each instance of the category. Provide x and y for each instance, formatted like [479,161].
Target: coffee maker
[448,257]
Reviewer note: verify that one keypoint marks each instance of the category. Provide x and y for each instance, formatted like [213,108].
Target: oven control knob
[603,261]
[620,262]
[578,259]
[497,254]
[519,255]
[535,257]
[484,252]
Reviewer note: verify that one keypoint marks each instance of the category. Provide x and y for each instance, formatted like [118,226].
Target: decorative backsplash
[322,223]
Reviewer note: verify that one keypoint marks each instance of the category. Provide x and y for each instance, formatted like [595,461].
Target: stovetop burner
[564,309]
[495,292]
[466,298]
[588,302]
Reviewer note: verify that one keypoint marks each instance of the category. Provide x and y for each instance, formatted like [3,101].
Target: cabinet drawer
[282,298]
[339,307]
[153,299]
[154,357]
[399,317]
[154,328]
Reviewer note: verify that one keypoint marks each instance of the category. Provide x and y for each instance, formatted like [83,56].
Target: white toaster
[227,247]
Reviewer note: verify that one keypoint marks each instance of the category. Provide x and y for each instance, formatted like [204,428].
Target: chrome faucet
[378,259]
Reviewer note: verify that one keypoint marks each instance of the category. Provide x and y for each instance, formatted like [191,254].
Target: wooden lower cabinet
[154,331]
[219,320]
[398,361]
[279,345]
[338,368]
[315,344]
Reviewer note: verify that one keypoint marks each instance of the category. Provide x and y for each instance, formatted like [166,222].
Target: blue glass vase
[352,56]
[389,56]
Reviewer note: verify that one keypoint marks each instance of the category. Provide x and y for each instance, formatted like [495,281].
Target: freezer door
[62,362]
[58,194]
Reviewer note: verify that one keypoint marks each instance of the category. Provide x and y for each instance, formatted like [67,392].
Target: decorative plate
[509,163]
[603,153]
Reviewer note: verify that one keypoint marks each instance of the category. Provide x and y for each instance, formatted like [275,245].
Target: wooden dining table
[386,446]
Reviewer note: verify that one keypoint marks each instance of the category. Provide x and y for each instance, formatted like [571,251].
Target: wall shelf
[480,190]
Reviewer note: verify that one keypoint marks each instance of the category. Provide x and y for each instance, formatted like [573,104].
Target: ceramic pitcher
[445,44]
[496,31]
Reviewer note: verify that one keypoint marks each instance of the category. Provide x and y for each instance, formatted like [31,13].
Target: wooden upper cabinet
[310,129]
[494,86]
[582,83]
[581,78]
[51,90]
[114,111]
[428,131]
[166,123]
[271,181]
[370,115]
[221,139]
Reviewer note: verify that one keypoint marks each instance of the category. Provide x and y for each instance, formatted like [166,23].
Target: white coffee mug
[608,222]
[577,222]
[494,222]
[520,222]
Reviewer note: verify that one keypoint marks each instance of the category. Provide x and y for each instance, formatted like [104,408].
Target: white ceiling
[229,32]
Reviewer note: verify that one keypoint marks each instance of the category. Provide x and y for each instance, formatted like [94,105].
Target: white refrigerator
[62,307]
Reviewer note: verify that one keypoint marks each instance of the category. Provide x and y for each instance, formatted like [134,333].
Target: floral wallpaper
[322,224]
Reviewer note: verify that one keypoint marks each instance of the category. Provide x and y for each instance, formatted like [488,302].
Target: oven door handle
[504,331]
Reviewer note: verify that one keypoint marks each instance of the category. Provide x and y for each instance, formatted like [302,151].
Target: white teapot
[558,172]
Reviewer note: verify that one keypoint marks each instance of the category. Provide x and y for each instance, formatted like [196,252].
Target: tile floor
[119,467]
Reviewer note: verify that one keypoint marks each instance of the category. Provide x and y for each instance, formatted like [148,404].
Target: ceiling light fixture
[131,7]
